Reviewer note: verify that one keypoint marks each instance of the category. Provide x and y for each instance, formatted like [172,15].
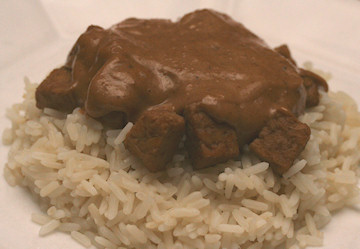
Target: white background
[35,37]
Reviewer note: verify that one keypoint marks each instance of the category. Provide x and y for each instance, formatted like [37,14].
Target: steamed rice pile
[92,188]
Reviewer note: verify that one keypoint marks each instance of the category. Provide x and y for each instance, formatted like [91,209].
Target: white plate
[35,37]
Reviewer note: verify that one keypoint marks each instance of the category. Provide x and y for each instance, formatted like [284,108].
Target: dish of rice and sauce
[186,134]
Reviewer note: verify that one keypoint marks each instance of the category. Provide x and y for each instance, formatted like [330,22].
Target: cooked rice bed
[91,187]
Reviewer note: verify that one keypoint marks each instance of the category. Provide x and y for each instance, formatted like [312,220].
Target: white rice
[49,227]
[81,238]
[92,188]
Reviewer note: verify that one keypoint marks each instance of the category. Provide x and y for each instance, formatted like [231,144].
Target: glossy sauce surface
[205,59]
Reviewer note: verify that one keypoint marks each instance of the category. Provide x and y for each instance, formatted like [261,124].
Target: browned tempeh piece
[281,141]
[56,91]
[207,141]
[155,137]
[65,88]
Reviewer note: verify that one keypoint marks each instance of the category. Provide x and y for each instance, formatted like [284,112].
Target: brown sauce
[204,59]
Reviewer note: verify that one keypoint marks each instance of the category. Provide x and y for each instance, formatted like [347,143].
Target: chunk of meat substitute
[281,140]
[207,141]
[55,91]
[65,88]
[155,137]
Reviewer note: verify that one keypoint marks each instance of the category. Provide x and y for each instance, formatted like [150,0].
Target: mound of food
[205,76]
[188,134]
